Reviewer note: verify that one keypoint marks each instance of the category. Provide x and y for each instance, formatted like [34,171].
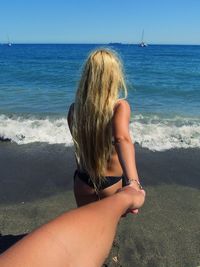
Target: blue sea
[38,84]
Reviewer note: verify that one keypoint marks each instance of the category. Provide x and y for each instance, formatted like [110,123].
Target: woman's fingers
[136,197]
[136,211]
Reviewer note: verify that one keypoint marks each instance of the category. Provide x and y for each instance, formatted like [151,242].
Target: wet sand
[36,183]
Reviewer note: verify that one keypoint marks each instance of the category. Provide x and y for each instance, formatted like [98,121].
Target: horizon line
[91,43]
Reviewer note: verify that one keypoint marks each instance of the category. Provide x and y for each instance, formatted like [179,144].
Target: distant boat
[9,43]
[115,44]
[143,44]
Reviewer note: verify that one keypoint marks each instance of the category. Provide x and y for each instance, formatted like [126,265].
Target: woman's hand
[135,197]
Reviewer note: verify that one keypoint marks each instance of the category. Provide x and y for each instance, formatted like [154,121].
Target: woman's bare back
[85,194]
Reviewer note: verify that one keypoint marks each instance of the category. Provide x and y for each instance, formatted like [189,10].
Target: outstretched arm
[81,237]
[123,143]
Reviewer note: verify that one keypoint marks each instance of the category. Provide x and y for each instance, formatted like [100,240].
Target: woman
[99,124]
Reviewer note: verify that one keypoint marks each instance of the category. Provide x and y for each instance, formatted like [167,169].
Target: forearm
[91,229]
[81,237]
[126,154]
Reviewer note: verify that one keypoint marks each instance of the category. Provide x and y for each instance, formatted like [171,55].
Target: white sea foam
[28,130]
[159,134]
[151,132]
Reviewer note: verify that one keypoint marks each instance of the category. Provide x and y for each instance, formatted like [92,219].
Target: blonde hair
[97,93]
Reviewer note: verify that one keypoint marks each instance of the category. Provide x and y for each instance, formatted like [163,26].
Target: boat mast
[143,44]
[8,43]
[142,41]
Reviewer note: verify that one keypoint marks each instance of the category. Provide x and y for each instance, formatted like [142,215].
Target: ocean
[37,86]
[38,83]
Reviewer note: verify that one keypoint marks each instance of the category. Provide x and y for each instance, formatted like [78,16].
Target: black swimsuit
[109,180]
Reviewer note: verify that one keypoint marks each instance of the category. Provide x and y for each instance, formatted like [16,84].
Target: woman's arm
[81,237]
[123,143]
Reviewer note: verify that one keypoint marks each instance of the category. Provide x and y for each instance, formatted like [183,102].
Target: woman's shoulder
[122,105]
[121,119]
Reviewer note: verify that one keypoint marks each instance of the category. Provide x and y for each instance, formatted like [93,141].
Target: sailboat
[9,43]
[143,44]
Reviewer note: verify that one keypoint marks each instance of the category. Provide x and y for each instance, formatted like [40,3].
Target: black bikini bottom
[109,180]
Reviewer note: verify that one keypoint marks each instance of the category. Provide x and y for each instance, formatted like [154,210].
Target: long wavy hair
[98,91]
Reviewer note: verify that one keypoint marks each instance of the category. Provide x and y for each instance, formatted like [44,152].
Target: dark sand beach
[36,183]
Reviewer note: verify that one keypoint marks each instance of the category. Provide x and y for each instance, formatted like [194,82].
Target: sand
[36,183]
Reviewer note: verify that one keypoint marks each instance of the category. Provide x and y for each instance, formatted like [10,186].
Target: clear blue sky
[100,21]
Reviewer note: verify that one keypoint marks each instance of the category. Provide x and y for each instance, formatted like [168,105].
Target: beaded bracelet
[130,181]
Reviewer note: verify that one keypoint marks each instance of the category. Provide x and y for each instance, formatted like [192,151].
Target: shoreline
[36,186]
[39,170]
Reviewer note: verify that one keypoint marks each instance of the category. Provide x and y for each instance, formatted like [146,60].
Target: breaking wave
[152,132]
